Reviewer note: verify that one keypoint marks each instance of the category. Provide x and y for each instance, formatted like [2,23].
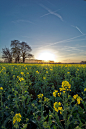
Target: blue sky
[55,26]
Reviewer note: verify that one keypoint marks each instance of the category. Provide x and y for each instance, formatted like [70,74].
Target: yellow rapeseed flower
[64,91]
[78,99]
[44,78]
[60,112]
[46,99]
[17,118]
[21,79]
[77,69]
[59,94]
[46,71]
[54,93]
[59,104]
[22,73]
[57,107]
[75,96]
[85,89]
[68,72]
[66,84]
[56,90]
[40,96]
[37,72]
[1,88]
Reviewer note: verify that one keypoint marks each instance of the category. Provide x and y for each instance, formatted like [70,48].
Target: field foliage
[42,96]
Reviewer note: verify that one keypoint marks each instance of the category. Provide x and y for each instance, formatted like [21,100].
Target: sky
[54,29]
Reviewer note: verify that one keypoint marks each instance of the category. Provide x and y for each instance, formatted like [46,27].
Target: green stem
[1,105]
[1,99]
[41,110]
[65,110]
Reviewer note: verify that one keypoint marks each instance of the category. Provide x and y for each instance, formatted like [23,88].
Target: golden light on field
[46,55]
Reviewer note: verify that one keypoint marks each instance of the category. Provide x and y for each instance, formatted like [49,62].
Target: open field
[42,96]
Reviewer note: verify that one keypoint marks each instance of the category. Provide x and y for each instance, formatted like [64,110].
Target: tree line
[19,50]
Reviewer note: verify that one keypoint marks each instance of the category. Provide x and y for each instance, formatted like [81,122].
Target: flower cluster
[57,107]
[84,89]
[51,69]
[65,86]
[78,98]
[22,73]
[20,78]
[40,96]
[68,72]
[46,100]
[46,71]
[17,118]
[37,72]
[1,88]
[55,92]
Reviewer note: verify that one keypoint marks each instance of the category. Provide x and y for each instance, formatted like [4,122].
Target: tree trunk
[23,59]
[15,60]
[18,58]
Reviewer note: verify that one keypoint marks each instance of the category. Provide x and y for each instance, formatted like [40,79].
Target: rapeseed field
[42,96]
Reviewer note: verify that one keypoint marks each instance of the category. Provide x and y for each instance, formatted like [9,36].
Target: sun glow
[46,55]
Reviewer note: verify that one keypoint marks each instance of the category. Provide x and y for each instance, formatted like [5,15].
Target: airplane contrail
[47,14]
[66,40]
[77,29]
[51,12]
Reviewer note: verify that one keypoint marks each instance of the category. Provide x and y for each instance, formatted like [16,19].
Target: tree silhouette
[18,50]
[30,56]
[15,50]
[7,54]
[25,49]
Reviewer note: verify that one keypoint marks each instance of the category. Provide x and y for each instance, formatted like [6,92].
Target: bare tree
[15,50]
[25,49]
[7,54]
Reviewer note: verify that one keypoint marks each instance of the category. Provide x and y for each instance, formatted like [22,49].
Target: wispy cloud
[72,49]
[51,12]
[77,29]
[20,20]
[66,40]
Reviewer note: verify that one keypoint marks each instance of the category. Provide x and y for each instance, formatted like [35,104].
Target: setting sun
[46,56]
